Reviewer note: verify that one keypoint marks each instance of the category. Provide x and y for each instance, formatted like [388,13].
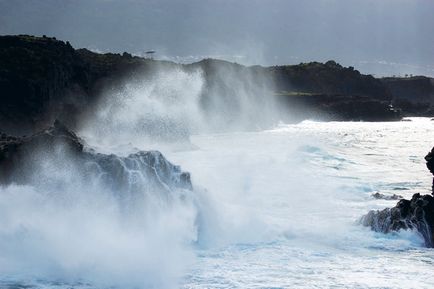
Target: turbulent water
[289,199]
[271,209]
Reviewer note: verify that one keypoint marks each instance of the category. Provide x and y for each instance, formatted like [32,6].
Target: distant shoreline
[45,79]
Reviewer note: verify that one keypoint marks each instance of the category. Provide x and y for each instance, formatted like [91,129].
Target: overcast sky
[376,36]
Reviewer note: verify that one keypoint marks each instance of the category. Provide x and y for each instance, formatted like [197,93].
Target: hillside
[42,79]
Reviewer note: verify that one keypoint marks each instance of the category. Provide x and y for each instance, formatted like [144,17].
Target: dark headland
[42,79]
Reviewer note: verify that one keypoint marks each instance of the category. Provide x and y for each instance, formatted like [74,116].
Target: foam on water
[97,219]
[289,199]
[271,209]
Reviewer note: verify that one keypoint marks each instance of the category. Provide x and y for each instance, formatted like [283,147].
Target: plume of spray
[237,98]
[105,220]
[162,106]
[169,103]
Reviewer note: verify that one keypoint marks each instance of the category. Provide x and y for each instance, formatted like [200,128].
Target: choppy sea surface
[280,209]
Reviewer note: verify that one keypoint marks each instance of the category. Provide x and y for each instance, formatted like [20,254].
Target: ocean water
[289,199]
[277,208]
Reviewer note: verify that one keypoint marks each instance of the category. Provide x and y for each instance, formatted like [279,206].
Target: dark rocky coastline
[415,214]
[430,164]
[31,159]
[42,79]
[413,95]
[430,161]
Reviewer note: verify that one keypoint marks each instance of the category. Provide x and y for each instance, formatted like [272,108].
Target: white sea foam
[108,221]
[278,209]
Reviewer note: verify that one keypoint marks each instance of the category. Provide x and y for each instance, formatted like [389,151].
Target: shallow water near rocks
[303,187]
[279,209]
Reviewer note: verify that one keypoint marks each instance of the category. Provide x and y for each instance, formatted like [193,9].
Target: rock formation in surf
[415,214]
[430,161]
[430,165]
[38,158]
[380,196]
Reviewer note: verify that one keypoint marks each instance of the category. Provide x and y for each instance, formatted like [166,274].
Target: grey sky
[376,36]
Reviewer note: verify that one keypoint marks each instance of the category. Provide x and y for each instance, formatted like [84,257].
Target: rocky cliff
[42,79]
[413,95]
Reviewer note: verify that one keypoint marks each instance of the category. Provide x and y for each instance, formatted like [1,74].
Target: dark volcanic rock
[17,153]
[430,161]
[417,213]
[379,196]
[42,79]
[328,78]
[46,157]
[413,95]
[329,91]
[430,165]
[34,75]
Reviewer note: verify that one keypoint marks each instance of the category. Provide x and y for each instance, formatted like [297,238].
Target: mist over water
[107,220]
[291,208]
[272,205]
[168,104]
[165,106]
[81,238]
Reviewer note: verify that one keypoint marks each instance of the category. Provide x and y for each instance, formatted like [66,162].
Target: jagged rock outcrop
[44,157]
[430,165]
[430,161]
[380,196]
[415,214]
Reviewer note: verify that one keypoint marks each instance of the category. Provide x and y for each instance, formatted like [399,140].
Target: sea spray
[74,215]
[281,215]
[169,103]
[86,236]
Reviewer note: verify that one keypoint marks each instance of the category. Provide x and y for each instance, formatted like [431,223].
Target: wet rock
[416,214]
[386,197]
[430,161]
[48,156]
[42,79]
[430,165]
